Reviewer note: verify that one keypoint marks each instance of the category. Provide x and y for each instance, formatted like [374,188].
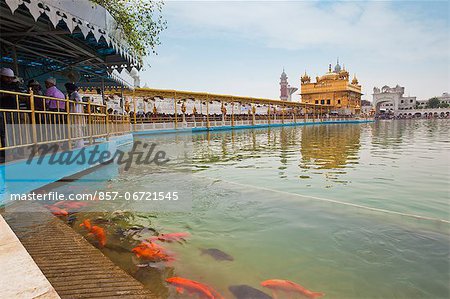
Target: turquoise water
[351,210]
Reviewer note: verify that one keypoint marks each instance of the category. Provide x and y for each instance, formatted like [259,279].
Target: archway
[378,102]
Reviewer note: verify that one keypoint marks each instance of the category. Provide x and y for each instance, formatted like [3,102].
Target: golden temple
[335,89]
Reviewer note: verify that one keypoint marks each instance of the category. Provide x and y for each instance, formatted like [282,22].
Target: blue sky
[241,47]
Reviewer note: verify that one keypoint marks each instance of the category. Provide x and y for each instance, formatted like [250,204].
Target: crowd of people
[10,82]
[56,101]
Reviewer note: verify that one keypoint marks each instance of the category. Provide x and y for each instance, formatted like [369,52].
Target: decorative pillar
[232,113]
[207,111]
[194,112]
[175,108]
[253,113]
[224,113]
[183,110]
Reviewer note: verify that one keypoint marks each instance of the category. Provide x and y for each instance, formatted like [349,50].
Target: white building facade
[392,100]
[443,99]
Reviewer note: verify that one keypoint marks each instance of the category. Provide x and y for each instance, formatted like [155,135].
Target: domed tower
[284,87]
[337,67]
[134,73]
[355,81]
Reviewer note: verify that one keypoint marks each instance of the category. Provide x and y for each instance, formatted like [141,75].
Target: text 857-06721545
[138,195]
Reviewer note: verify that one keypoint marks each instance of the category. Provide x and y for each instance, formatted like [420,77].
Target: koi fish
[217,254]
[247,292]
[152,252]
[87,224]
[95,231]
[171,237]
[70,204]
[57,211]
[289,286]
[193,287]
[99,234]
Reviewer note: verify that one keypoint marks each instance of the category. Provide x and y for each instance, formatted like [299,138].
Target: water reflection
[330,147]
[308,148]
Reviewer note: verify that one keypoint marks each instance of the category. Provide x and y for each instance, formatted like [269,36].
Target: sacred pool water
[350,210]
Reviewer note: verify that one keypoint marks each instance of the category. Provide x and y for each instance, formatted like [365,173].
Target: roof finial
[329,68]
[338,60]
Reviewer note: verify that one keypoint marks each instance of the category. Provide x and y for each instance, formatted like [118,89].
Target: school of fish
[150,251]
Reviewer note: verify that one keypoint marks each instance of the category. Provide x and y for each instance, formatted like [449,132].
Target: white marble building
[391,100]
[444,98]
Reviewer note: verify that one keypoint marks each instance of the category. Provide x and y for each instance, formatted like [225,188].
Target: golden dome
[354,81]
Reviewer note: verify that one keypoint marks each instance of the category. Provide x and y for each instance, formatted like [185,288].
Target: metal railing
[164,121]
[28,119]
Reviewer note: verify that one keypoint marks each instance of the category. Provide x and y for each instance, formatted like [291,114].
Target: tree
[444,105]
[433,103]
[140,20]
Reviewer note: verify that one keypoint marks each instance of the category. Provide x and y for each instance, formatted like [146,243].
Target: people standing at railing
[53,92]
[7,82]
[36,87]
[57,107]
[77,121]
[7,102]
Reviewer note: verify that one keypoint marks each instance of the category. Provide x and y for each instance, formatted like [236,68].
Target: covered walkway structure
[72,41]
[163,109]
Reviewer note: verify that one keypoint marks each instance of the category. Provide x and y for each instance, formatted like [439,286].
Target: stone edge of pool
[23,277]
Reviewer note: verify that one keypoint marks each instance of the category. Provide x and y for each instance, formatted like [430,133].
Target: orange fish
[152,252]
[70,204]
[57,211]
[289,286]
[193,287]
[99,234]
[171,237]
[87,224]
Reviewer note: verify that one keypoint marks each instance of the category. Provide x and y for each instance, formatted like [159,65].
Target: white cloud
[374,27]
